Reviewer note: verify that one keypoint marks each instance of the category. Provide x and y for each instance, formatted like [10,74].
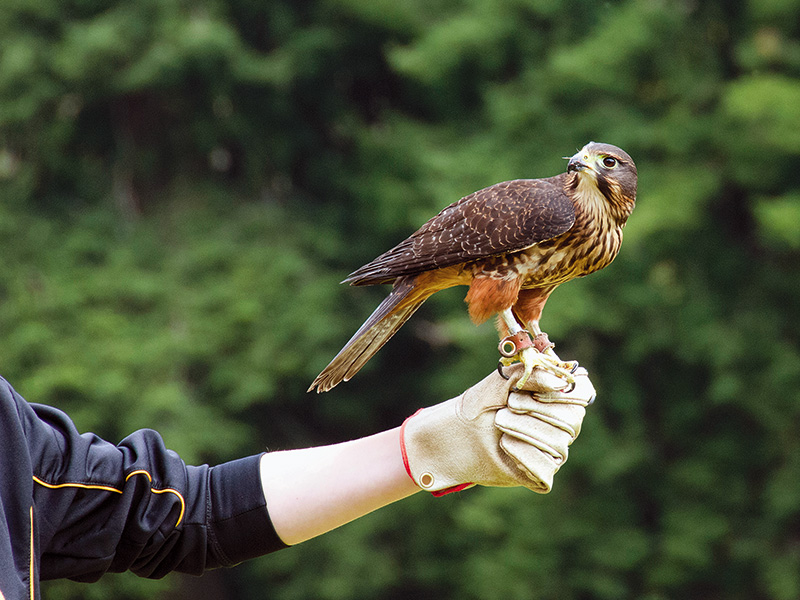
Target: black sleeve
[136,506]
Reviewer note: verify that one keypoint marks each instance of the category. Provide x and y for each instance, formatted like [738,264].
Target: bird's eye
[609,162]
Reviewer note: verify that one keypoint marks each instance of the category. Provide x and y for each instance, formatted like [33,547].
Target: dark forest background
[184,183]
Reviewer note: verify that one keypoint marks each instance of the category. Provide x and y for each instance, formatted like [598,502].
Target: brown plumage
[512,244]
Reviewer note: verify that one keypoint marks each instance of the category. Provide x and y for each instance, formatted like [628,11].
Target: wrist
[313,490]
[428,442]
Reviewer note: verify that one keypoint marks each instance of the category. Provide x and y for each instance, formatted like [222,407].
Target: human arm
[91,507]
[96,507]
[313,490]
[487,436]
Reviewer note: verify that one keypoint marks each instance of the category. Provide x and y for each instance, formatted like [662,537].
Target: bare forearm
[314,490]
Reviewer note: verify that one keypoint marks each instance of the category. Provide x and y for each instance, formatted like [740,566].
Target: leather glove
[492,436]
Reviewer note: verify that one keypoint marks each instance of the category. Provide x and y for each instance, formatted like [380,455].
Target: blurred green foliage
[183,184]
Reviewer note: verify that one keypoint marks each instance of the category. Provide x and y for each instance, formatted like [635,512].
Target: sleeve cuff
[239,519]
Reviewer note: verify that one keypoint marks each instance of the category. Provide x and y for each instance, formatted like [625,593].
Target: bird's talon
[500,370]
[531,356]
[521,383]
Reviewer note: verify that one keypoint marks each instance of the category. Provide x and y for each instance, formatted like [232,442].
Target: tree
[184,184]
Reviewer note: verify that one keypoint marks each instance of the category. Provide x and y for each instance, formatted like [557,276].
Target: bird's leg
[529,356]
[547,348]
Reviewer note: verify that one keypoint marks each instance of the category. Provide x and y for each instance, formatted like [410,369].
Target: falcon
[512,243]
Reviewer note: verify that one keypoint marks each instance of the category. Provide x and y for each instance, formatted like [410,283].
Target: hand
[494,437]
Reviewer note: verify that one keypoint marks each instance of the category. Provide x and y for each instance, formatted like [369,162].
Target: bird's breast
[584,249]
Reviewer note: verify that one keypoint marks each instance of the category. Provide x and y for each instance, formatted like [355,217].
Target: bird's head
[608,170]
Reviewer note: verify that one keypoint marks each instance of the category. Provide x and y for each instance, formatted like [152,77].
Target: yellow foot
[547,360]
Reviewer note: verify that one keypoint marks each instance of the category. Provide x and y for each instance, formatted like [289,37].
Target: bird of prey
[512,243]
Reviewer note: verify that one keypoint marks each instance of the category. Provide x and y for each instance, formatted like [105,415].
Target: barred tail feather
[382,324]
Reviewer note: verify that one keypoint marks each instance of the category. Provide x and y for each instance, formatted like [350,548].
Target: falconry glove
[494,437]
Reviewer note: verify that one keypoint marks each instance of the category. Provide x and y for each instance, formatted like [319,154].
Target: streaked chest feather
[590,245]
[569,256]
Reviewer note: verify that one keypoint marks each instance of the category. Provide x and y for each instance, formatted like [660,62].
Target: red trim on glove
[444,492]
[450,490]
[403,446]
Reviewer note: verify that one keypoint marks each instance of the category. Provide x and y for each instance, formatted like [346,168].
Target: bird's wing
[502,218]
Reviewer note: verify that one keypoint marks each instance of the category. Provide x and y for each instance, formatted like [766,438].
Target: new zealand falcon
[512,243]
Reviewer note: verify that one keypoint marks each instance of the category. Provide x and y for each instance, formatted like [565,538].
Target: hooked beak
[578,163]
[575,164]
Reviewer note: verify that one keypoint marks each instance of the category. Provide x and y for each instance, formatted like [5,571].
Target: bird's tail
[382,324]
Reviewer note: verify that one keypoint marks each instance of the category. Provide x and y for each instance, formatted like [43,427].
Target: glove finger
[541,381]
[487,395]
[583,394]
[550,439]
[567,417]
[538,467]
